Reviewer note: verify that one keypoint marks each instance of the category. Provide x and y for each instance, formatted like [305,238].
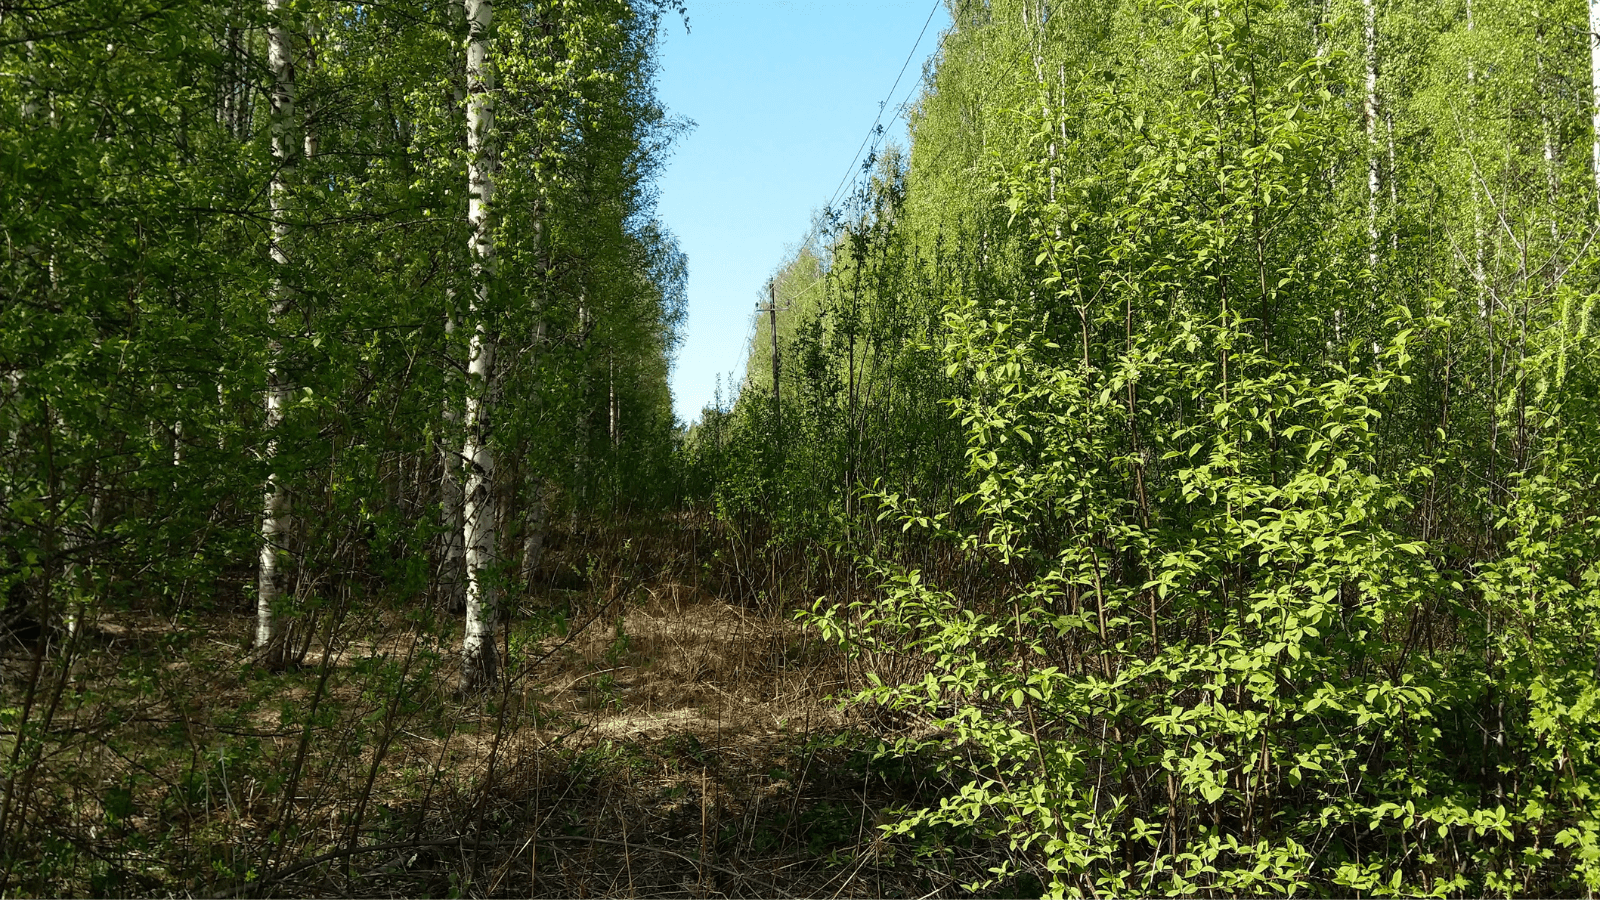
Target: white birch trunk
[451,498]
[1594,86]
[1394,178]
[312,137]
[478,518]
[580,460]
[1370,115]
[75,585]
[1479,275]
[534,513]
[613,424]
[1547,133]
[274,519]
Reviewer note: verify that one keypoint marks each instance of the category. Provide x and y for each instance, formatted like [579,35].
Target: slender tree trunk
[580,460]
[1370,116]
[611,401]
[533,530]
[227,81]
[240,112]
[854,428]
[1479,273]
[77,577]
[1594,85]
[275,517]
[312,136]
[1548,143]
[1394,172]
[478,519]
[451,498]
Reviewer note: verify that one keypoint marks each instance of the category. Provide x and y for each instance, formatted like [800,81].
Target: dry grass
[706,666]
[664,742]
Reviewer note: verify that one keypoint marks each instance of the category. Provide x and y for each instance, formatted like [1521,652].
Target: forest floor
[648,739]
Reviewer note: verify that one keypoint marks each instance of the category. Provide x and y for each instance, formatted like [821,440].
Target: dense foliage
[246,327]
[1193,436]
[1209,393]
[137,334]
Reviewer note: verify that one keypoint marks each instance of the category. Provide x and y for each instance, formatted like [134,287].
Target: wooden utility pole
[772,320]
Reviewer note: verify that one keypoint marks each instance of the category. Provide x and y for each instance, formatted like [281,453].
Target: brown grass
[667,743]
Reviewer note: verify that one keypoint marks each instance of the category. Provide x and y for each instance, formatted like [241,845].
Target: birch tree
[451,497]
[1594,85]
[1369,10]
[479,522]
[275,517]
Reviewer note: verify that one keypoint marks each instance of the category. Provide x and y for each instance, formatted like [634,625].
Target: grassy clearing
[652,739]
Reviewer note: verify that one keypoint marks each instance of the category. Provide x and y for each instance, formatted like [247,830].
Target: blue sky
[782,93]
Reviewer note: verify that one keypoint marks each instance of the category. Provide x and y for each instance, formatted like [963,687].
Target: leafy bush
[1237,654]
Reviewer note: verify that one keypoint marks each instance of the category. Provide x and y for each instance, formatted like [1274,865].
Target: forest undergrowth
[658,732]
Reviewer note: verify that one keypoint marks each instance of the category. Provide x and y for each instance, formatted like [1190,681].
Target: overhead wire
[748,347]
[901,110]
[872,131]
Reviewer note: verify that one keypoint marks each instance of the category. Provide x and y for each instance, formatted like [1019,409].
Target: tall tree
[275,517]
[479,522]
[1594,87]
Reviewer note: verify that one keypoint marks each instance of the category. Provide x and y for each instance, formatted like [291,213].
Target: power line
[881,107]
[900,111]
[748,348]
[873,130]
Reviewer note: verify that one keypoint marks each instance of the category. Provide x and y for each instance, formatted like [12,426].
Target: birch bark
[1547,140]
[1479,275]
[1594,85]
[451,497]
[274,519]
[479,522]
[611,401]
[312,136]
[1370,115]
